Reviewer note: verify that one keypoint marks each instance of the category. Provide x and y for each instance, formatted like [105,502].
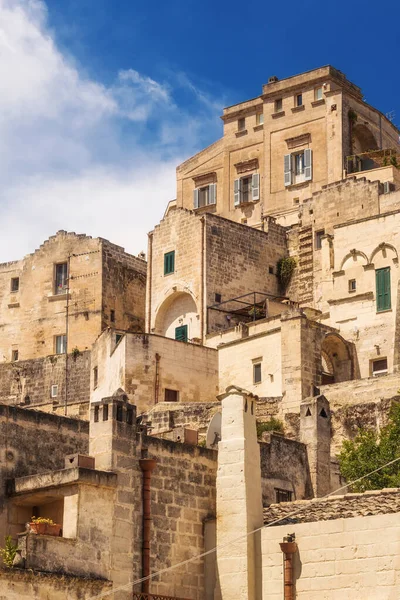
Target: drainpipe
[147,465]
[288,547]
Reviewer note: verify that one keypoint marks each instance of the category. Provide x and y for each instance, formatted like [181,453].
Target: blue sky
[101,99]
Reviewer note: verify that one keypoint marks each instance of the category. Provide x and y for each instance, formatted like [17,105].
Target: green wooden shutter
[181,333]
[383,296]
[169,262]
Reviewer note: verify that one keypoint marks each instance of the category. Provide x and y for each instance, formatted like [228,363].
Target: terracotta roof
[375,502]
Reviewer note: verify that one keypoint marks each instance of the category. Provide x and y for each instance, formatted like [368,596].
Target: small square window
[95,377]
[296,201]
[318,93]
[241,124]
[352,285]
[217,298]
[278,105]
[260,118]
[54,391]
[169,262]
[60,344]
[171,395]
[112,316]
[14,284]
[14,355]
[299,100]
[318,239]
[379,367]
[257,373]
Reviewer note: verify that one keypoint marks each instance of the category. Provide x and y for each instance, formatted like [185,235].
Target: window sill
[276,115]
[249,203]
[294,186]
[206,208]
[13,305]
[298,108]
[168,274]
[55,297]
[356,298]
[387,310]
[259,127]
[240,133]
[318,102]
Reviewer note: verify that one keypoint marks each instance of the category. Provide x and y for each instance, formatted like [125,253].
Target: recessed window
[318,238]
[271,270]
[283,495]
[61,278]
[105,412]
[169,262]
[260,118]
[60,344]
[120,413]
[171,396]
[54,391]
[246,189]
[96,414]
[299,100]
[217,298]
[297,167]
[296,201]
[257,373]
[14,355]
[318,93]
[112,316]
[278,105]
[14,284]
[383,294]
[379,367]
[352,285]
[95,377]
[181,333]
[204,196]
[241,124]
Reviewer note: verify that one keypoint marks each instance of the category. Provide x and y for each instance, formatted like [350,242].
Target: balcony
[385,165]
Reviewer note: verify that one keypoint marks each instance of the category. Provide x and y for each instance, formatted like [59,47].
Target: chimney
[315,432]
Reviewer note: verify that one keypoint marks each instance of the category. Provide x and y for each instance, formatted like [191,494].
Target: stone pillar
[239,503]
[315,432]
[112,442]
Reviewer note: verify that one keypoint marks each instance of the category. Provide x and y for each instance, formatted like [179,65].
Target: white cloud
[78,155]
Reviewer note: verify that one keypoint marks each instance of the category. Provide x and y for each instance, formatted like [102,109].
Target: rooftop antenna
[390,115]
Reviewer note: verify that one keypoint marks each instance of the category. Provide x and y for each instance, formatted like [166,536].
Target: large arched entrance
[336,360]
[178,318]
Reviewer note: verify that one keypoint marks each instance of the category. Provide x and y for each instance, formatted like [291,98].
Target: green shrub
[8,552]
[271,425]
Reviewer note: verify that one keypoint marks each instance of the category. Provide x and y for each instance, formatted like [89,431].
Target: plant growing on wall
[8,552]
[369,451]
[284,271]
[75,353]
[271,425]
[352,116]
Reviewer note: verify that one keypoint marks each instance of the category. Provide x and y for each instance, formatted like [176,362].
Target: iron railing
[143,596]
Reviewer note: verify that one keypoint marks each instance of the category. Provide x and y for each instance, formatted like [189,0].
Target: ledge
[298,108]
[369,267]
[276,115]
[337,273]
[318,102]
[62,477]
[298,185]
[13,305]
[356,298]
[244,204]
[259,127]
[55,297]
[240,133]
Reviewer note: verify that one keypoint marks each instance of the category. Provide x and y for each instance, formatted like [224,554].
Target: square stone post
[315,432]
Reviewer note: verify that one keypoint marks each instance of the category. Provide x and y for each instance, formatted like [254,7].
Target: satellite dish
[214,432]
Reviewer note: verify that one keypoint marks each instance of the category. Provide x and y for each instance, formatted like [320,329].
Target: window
[283,495]
[95,377]
[61,344]
[61,278]
[271,270]
[96,414]
[54,391]
[318,93]
[299,100]
[257,373]
[181,333]
[169,262]
[120,413]
[14,355]
[278,105]
[241,124]
[217,298]
[379,367]
[297,167]
[318,238]
[112,316]
[383,299]
[171,395]
[205,196]
[259,118]
[246,189]
[105,412]
[352,285]
[14,284]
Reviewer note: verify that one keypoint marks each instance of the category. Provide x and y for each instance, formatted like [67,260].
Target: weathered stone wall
[347,548]
[29,382]
[166,417]
[16,584]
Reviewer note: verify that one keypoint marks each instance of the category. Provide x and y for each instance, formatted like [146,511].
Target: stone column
[239,503]
[315,432]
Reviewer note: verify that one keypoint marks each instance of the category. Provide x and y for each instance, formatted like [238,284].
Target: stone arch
[178,309]
[384,248]
[363,139]
[336,359]
[353,254]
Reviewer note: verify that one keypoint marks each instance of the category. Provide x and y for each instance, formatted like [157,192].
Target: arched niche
[384,255]
[336,360]
[178,310]
[363,139]
[355,258]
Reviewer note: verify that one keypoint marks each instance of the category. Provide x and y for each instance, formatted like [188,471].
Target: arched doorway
[178,318]
[336,362]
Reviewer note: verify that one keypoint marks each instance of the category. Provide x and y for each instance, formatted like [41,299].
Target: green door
[383,300]
[181,333]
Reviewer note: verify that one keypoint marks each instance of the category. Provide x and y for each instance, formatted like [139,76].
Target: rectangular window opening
[54,391]
[299,100]
[14,355]
[283,495]
[383,293]
[318,93]
[241,124]
[181,333]
[257,373]
[278,105]
[95,377]
[112,316]
[318,238]
[169,262]
[379,367]
[105,412]
[61,344]
[217,298]
[120,413]
[14,284]
[260,118]
[171,395]
[352,285]
[96,414]
[61,278]
[271,270]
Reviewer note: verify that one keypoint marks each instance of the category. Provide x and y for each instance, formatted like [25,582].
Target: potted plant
[43,526]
